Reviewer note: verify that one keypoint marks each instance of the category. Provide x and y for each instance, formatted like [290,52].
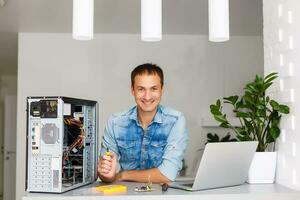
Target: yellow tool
[107,152]
[111,189]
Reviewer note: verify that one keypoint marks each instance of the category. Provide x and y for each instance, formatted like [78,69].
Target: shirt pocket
[156,152]
[128,149]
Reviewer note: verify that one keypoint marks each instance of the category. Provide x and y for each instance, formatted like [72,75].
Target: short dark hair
[147,68]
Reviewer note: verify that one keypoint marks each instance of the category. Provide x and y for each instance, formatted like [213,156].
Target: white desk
[243,192]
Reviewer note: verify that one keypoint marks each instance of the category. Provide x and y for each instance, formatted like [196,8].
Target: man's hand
[107,167]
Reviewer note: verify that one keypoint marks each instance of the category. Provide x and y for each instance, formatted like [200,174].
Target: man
[149,140]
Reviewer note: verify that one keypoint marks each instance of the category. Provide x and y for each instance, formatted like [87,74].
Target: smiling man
[149,140]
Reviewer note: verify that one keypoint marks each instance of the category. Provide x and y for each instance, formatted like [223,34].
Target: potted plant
[259,118]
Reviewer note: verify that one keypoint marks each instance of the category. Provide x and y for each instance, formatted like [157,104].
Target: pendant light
[83,19]
[151,20]
[218,20]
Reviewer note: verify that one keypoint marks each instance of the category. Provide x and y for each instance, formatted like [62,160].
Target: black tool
[164,187]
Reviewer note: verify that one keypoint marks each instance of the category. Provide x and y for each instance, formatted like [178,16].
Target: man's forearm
[142,176]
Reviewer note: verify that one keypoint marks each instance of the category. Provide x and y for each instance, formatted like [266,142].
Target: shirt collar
[157,117]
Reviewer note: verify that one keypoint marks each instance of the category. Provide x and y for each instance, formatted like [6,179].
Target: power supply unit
[61,143]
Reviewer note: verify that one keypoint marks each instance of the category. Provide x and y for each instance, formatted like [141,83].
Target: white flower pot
[263,167]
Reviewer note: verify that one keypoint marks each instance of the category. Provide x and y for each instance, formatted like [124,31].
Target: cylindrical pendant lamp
[218,20]
[151,20]
[83,19]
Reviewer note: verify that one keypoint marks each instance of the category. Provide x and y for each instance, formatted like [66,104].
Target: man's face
[147,91]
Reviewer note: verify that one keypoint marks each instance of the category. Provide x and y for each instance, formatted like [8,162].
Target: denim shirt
[161,145]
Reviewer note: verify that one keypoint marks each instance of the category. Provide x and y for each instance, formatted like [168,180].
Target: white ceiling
[115,16]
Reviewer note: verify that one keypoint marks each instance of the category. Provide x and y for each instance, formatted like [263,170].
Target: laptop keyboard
[188,184]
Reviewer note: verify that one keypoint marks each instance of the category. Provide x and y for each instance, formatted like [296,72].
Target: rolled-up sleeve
[175,149]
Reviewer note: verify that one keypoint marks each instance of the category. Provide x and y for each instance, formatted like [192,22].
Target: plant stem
[266,128]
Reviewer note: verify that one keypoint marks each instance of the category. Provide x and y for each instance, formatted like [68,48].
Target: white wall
[8,86]
[197,72]
[282,54]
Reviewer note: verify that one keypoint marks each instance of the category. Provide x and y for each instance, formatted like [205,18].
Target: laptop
[223,164]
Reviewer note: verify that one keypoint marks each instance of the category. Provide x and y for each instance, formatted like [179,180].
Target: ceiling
[115,16]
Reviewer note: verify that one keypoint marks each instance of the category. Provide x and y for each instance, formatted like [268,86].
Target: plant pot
[262,168]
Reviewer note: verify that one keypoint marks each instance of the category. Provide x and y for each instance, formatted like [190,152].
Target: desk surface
[246,191]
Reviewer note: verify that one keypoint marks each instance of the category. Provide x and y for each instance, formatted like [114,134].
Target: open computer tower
[61,143]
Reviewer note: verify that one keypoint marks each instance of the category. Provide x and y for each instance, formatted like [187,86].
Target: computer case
[61,143]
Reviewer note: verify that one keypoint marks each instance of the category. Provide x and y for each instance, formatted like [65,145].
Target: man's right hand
[107,167]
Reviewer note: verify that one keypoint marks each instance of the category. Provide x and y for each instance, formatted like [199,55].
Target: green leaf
[249,99]
[242,104]
[284,109]
[274,105]
[224,125]
[218,103]
[261,113]
[228,138]
[256,78]
[260,107]
[274,132]
[212,137]
[239,104]
[215,138]
[247,93]
[242,131]
[248,125]
[251,88]
[244,138]
[269,138]
[261,101]
[220,118]
[243,114]
[215,110]
[269,80]
[231,99]
[270,75]
[273,115]
[275,121]
[266,86]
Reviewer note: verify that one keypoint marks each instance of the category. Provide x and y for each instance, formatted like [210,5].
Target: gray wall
[197,72]
[8,86]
